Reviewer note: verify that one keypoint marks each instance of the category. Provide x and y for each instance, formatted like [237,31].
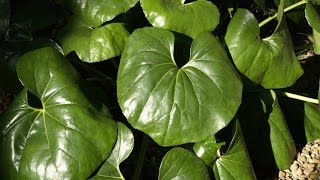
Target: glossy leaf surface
[63,136]
[190,19]
[94,45]
[312,121]
[282,144]
[180,163]
[96,12]
[174,106]
[270,62]
[124,145]
[207,150]
[235,163]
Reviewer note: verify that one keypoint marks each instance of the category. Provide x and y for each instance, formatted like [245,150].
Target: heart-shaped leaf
[312,122]
[235,163]
[270,62]
[207,150]
[172,105]
[111,168]
[96,12]
[180,163]
[190,19]
[94,45]
[4,16]
[282,144]
[65,136]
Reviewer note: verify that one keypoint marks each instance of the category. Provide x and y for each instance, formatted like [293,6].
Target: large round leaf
[96,12]
[179,163]
[67,138]
[94,45]
[190,19]
[173,105]
[270,62]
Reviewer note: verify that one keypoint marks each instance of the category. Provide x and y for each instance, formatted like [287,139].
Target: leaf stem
[142,154]
[285,10]
[299,97]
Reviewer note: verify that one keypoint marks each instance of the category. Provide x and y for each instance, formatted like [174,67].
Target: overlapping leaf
[282,144]
[111,168]
[65,136]
[94,45]
[235,163]
[173,105]
[312,121]
[313,19]
[207,150]
[180,163]
[190,19]
[270,62]
[96,12]
[296,14]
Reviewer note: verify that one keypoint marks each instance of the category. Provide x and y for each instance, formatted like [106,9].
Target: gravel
[306,166]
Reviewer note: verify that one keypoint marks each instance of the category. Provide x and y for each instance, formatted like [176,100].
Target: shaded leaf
[96,12]
[312,17]
[316,41]
[124,145]
[235,163]
[261,4]
[94,45]
[190,19]
[179,163]
[207,150]
[4,16]
[282,144]
[53,130]
[296,14]
[312,121]
[176,106]
[270,62]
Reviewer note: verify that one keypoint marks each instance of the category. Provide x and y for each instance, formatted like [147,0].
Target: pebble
[306,166]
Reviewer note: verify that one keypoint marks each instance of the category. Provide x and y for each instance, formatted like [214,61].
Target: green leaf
[282,144]
[270,62]
[63,136]
[190,19]
[312,17]
[180,163]
[207,150]
[296,14]
[176,105]
[316,41]
[312,121]
[96,12]
[235,163]
[261,4]
[94,45]
[111,168]
[4,16]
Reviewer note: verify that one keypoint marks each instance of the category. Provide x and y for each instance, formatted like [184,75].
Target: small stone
[305,151]
[314,161]
[297,172]
[309,165]
[302,159]
[313,176]
[308,147]
[307,171]
[294,166]
[282,174]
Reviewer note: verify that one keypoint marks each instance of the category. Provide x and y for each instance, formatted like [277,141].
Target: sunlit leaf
[179,163]
[312,121]
[190,19]
[96,12]
[270,62]
[235,163]
[207,150]
[94,45]
[176,105]
[53,129]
